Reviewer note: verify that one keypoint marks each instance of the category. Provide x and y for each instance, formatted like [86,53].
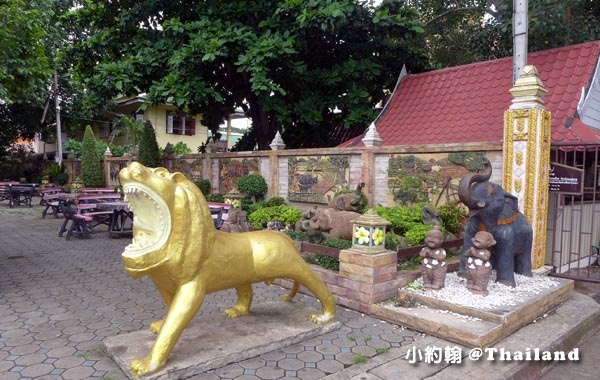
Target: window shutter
[190,128]
[170,124]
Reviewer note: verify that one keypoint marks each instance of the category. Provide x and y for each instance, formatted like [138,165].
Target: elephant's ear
[340,203]
[511,201]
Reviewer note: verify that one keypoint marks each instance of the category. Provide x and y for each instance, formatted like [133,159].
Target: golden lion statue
[176,244]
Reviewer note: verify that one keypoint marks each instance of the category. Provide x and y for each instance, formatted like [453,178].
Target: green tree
[24,65]
[31,34]
[465,31]
[91,168]
[128,128]
[149,154]
[296,65]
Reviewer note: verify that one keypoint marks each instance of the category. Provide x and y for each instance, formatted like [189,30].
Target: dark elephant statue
[494,210]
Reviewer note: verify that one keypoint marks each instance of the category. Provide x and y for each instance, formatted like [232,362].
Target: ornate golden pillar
[526,155]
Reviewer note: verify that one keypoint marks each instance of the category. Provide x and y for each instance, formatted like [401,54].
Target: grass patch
[359,359]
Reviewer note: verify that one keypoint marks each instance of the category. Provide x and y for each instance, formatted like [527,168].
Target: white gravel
[455,291]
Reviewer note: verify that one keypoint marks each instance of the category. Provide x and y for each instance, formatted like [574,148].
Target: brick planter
[363,280]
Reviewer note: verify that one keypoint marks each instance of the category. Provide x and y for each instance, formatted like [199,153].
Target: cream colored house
[170,124]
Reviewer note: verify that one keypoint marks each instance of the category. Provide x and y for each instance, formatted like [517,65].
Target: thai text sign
[566,179]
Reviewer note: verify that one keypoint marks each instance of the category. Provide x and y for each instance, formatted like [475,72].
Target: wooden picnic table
[86,211]
[19,194]
[121,222]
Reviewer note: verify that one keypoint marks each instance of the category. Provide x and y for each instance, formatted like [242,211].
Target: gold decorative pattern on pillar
[526,154]
[176,244]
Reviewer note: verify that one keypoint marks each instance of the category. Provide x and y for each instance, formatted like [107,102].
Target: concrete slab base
[562,329]
[210,342]
[469,326]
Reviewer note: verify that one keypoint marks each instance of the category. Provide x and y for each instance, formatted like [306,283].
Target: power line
[84,119]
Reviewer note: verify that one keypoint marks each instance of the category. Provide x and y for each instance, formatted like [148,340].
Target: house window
[181,124]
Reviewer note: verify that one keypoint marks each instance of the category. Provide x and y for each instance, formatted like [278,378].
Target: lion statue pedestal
[176,244]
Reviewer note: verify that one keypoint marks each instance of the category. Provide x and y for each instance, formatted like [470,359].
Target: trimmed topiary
[148,154]
[252,184]
[91,169]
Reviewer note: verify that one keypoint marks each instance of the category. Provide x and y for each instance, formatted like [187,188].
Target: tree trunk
[261,123]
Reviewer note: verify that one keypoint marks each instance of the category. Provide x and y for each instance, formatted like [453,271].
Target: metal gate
[574,214]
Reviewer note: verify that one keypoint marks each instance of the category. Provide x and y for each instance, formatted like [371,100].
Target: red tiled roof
[467,103]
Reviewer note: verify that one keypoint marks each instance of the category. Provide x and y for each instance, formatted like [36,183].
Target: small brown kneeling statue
[434,266]
[479,268]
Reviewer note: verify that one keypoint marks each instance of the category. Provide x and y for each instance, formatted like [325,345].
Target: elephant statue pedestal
[495,211]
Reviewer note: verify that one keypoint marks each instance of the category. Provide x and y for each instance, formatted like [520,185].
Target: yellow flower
[362,235]
[378,236]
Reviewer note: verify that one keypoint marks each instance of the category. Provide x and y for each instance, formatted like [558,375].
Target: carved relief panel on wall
[232,169]
[316,179]
[191,168]
[434,178]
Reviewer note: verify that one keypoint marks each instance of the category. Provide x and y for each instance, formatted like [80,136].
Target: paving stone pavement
[59,299]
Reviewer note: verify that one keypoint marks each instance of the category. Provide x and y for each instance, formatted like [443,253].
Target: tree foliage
[91,168]
[24,64]
[465,31]
[30,35]
[293,65]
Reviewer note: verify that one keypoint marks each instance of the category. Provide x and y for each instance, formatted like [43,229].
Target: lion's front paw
[236,311]
[320,318]
[156,326]
[287,297]
[144,366]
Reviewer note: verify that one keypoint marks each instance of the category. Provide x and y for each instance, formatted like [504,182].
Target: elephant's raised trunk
[464,187]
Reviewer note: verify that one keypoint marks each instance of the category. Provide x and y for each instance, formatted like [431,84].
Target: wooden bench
[3,189]
[51,197]
[80,224]
[84,215]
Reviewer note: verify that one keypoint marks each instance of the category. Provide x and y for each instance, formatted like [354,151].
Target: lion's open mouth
[151,222]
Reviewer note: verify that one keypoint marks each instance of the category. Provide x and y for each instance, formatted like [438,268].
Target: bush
[416,235]
[336,243]
[324,261]
[181,148]
[402,218]
[252,184]
[204,186]
[284,214]
[61,179]
[452,216]
[215,197]
[275,201]
[249,206]
[300,236]
[392,240]
[91,169]
[52,172]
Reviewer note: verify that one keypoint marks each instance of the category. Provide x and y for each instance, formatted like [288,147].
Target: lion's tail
[292,293]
